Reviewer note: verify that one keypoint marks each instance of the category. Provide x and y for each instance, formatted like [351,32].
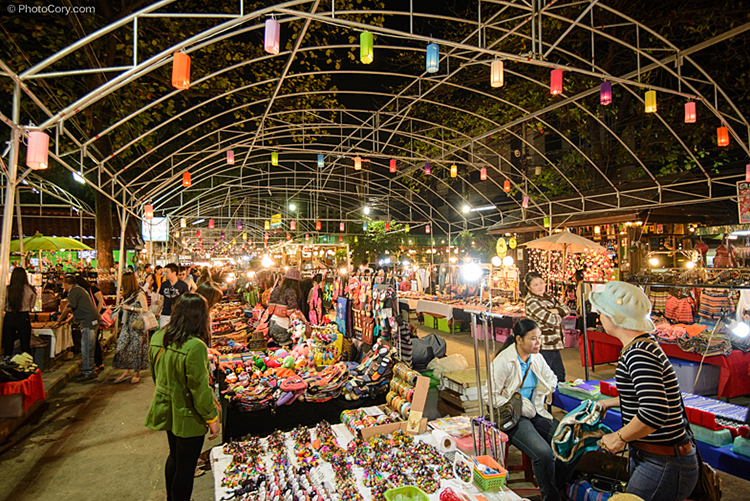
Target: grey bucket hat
[626,305]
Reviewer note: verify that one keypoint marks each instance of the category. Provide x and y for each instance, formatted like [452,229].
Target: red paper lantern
[341,238]
[186,182]
[210,224]
[393,166]
[690,114]
[525,202]
[483,174]
[198,233]
[747,173]
[427,228]
[181,71]
[722,136]
[556,82]
[288,236]
[318,225]
[387,226]
[506,186]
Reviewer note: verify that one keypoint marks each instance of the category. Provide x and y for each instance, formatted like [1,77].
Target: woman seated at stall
[519,367]
[282,304]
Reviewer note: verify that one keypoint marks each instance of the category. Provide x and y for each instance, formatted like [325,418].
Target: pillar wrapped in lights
[651,101]
[483,174]
[365,47]
[427,168]
[433,58]
[722,136]
[454,170]
[293,225]
[274,158]
[357,163]
[427,228]
[267,225]
[210,224]
[272,36]
[497,77]
[186,181]
[318,225]
[37,151]
[230,157]
[183,223]
[342,226]
[393,166]
[556,82]
[690,113]
[506,186]
[321,161]
[605,93]
[148,211]
[525,202]
[181,71]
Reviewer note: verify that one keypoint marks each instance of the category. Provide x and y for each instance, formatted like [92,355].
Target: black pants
[554,360]
[180,468]
[15,326]
[98,353]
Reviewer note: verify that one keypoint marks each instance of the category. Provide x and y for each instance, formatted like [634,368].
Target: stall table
[29,390]
[721,458]
[60,339]
[435,308]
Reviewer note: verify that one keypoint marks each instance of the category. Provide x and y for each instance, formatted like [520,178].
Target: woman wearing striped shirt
[663,463]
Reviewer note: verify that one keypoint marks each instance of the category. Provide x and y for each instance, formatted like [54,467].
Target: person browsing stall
[171,289]
[283,301]
[81,304]
[520,368]
[663,462]
[547,312]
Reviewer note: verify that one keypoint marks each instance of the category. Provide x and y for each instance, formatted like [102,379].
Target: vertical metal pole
[19,222]
[487,358]
[411,20]
[585,334]
[479,24]
[533,29]
[120,262]
[476,364]
[10,195]
[541,50]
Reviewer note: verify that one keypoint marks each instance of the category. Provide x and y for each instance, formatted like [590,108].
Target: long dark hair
[19,280]
[189,318]
[288,283]
[522,327]
[530,276]
[211,292]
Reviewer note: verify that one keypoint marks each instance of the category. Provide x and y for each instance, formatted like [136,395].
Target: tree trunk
[104,239]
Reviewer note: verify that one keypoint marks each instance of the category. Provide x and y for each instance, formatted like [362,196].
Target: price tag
[415,419]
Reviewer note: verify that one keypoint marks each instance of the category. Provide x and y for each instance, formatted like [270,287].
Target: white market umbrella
[565,241]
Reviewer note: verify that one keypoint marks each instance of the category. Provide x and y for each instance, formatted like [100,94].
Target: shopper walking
[284,302]
[85,314]
[547,312]
[171,289]
[187,278]
[98,298]
[19,301]
[663,462]
[131,353]
[183,403]
[520,368]
[211,293]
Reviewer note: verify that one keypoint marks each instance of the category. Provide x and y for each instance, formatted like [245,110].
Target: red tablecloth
[606,348]
[32,388]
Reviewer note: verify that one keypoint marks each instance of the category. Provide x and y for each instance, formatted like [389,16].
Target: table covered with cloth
[60,338]
[32,389]
[435,308]
[721,458]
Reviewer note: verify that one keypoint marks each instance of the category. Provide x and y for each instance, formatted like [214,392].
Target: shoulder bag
[508,414]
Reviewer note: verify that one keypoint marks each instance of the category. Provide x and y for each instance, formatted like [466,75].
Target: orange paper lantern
[722,136]
[181,71]
[690,114]
[506,186]
[318,225]
[186,182]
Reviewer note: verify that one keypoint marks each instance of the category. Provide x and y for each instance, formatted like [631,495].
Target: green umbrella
[39,243]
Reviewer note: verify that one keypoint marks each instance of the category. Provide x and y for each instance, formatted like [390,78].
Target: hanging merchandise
[497,78]
[556,82]
[230,157]
[433,58]
[651,101]
[186,182]
[365,47]
[272,36]
[181,71]
[393,166]
[690,113]
[37,151]
[605,93]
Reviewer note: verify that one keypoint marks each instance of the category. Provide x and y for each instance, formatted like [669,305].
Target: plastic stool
[525,466]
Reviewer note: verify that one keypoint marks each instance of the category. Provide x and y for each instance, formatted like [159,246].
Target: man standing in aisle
[87,316]
[171,289]
[188,279]
[159,272]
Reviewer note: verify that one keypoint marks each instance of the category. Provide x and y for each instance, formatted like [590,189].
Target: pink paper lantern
[230,157]
[556,82]
[37,150]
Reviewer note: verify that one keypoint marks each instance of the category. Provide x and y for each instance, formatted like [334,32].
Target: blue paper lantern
[433,58]
[321,161]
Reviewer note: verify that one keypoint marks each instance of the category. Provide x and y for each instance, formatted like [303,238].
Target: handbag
[508,414]
[105,318]
[146,322]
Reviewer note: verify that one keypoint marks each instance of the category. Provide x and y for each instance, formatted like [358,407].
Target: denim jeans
[555,362]
[533,437]
[88,338]
[655,477]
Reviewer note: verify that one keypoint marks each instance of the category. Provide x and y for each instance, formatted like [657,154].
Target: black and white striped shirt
[649,389]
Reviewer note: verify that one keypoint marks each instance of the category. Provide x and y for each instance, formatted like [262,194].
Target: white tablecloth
[220,461]
[59,339]
[434,308]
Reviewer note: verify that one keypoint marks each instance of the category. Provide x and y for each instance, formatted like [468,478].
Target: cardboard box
[11,406]
[415,416]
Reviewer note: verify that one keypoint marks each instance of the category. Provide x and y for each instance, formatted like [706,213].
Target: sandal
[122,378]
[135,379]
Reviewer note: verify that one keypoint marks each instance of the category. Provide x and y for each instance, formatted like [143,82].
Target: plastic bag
[440,366]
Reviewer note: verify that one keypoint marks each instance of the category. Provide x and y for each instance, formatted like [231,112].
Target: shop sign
[743,201]
[512,242]
[276,221]
[501,247]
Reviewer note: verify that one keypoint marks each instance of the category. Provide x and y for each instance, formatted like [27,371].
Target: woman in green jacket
[183,403]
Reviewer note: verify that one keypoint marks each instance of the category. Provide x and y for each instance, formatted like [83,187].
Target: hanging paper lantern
[181,71]
[651,101]
[148,211]
[506,186]
[454,170]
[538,170]
[197,233]
[483,174]
[244,235]
[321,161]
[288,236]
[183,223]
[427,228]
[271,39]
[222,235]
[210,224]
[230,157]
[433,58]
[497,78]
[690,114]
[525,202]
[605,93]
[37,150]
[267,225]
[342,226]
[318,225]
[722,136]
[357,163]
[747,173]
[274,158]
[177,234]
[239,225]
[364,226]
[186,182]
[556,82]
[546,222]
[292,225]
[406,228]
[341,238]
[307,236]
[387,226]
[365,47]
[427,168]
[393,166]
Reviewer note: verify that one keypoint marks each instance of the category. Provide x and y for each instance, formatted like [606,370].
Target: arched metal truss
[385,125]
